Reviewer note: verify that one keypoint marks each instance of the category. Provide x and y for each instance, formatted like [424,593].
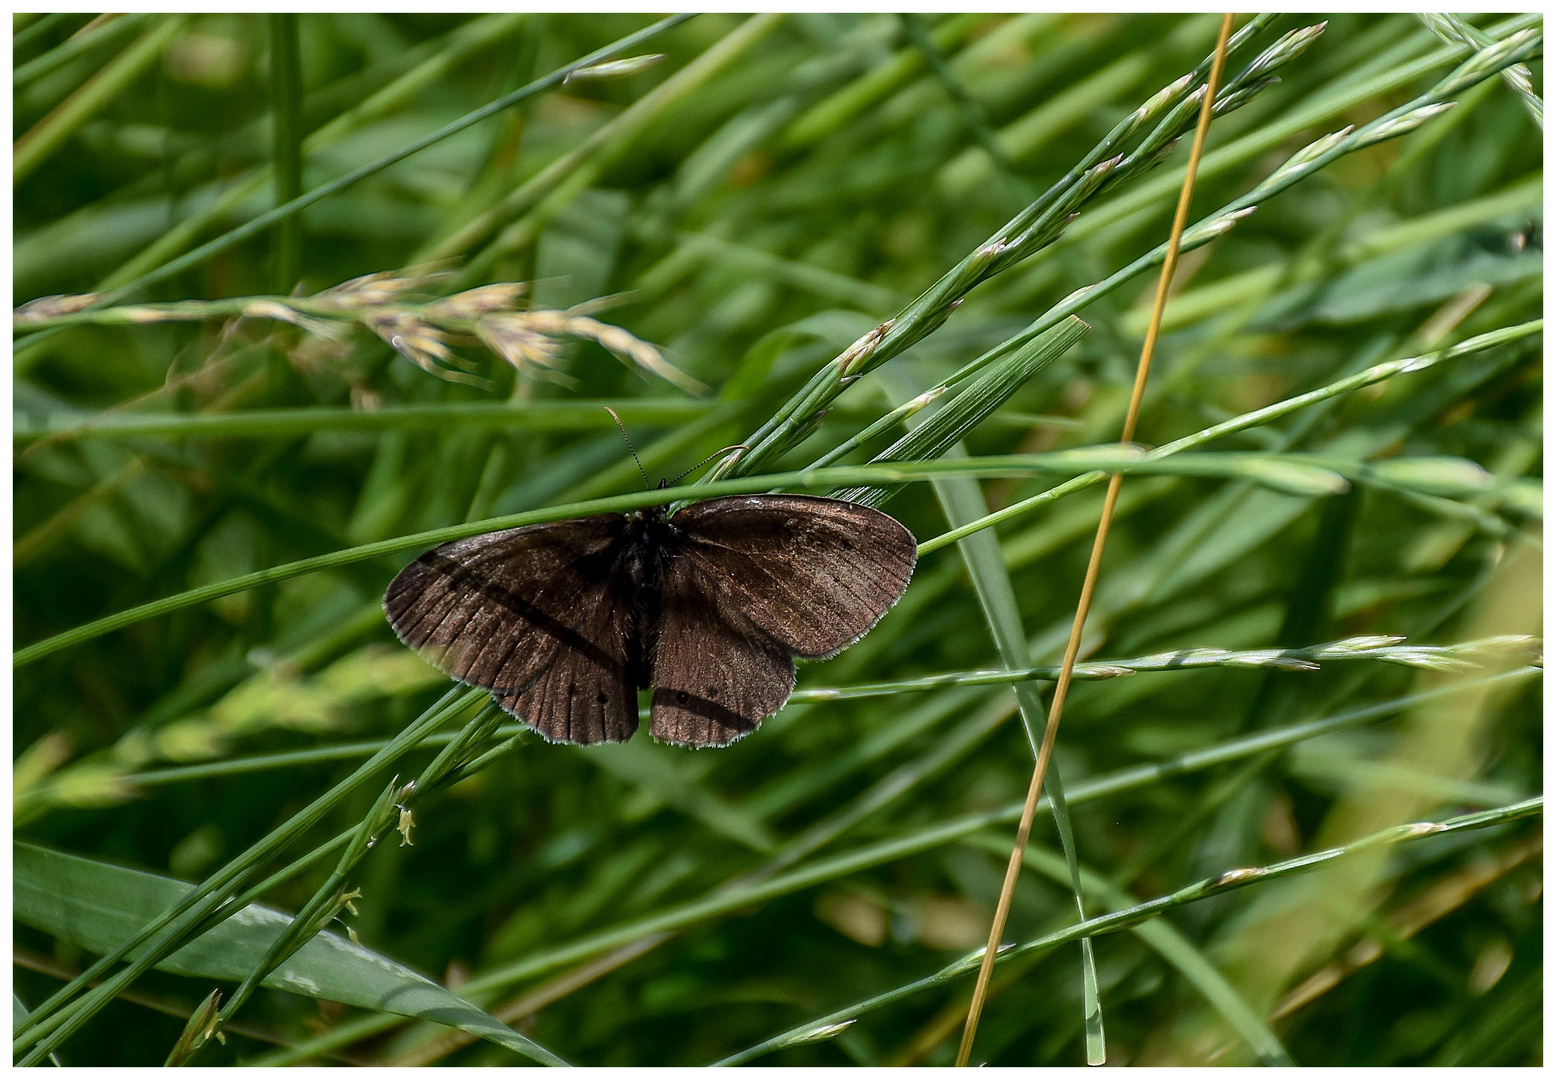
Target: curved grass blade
[1168,942]
[71,1006]
[1372,375]
[97,905]
[825,1026]
[1092,463]
[19,1012]
[55,129]
[563,415]
[962,501]
[259,224]
[721,903]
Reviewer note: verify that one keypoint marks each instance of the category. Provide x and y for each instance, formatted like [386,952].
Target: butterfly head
[652,523]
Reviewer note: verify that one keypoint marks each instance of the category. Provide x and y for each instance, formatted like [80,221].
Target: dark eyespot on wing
[516,610]
[716,677]
[812,573]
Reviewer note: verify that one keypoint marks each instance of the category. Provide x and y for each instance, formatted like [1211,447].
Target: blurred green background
[749,203]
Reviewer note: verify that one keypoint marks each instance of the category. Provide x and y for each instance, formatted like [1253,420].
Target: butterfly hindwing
[716,676]
[812,573]
[528,613]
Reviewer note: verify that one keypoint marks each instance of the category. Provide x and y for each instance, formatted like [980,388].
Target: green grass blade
[96,905]
[834,1022]
[729,900]
[962,501]
[536,416]
[46,137]
[76,45]
[1168,942]
[286,93]
[164,934]
[324,191]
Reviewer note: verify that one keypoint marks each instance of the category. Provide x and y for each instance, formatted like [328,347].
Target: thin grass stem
[1093,567]
[835,1022]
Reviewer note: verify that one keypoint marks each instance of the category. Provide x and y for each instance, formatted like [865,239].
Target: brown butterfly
[563,622]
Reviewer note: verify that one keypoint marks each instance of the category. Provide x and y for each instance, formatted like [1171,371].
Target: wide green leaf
[96,905]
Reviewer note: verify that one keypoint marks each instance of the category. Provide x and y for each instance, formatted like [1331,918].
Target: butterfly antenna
[710,457]
[630,449]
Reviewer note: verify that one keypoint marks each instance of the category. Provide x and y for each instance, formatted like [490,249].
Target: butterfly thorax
[650,542]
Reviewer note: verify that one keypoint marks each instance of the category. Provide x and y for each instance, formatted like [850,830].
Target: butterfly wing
[589,693]
[537,615]
[716,676]
[811,573]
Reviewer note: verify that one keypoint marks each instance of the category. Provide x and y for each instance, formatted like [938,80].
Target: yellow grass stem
[1067,666]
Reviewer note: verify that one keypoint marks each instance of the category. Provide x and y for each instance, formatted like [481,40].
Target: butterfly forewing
[812,573]
[716,676]
[529,613]
[588,693]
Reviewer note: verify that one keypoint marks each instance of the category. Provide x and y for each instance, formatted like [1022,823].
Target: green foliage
[273,342]
[97,905]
